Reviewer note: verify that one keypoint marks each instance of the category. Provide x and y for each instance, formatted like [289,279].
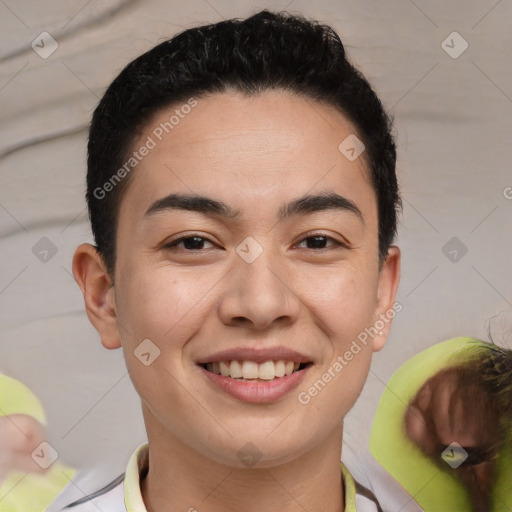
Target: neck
[181,478]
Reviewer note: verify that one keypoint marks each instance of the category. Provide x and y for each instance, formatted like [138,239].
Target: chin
[255,448]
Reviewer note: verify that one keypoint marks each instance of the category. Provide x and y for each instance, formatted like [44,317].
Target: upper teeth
[251,370]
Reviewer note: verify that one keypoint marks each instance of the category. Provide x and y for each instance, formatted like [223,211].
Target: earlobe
[92,277]
[389,278]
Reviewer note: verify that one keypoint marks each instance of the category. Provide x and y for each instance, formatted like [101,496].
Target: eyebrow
[304,205]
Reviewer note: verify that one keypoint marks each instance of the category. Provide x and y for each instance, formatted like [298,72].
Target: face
[265,283]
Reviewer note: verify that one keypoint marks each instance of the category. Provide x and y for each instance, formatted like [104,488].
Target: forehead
[250,152]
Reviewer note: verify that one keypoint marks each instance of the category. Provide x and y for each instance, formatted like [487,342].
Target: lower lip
[257,392]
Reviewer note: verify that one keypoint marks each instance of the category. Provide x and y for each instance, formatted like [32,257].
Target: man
[259,139]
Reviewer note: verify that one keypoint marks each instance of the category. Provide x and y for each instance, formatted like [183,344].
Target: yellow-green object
[433,489]
[21,491]
[30,492]
[16,398]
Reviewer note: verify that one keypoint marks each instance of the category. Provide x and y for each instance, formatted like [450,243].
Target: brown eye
[190,243]
[319,241]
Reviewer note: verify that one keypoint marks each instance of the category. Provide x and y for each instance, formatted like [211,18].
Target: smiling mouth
[250,371]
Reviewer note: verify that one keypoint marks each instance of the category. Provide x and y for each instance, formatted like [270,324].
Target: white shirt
[123,494]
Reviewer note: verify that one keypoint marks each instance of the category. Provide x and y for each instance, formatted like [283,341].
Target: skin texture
[254,154]
[20,435]
[453,406]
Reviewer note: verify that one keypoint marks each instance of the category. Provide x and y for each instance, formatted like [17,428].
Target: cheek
[336,388]
[351,365]
[157,305]
[160,305]
[344,298]
[344,303]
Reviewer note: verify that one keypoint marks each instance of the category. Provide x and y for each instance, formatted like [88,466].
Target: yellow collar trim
[139,461]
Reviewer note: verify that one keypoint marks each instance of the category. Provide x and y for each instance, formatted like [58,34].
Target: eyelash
[174,243]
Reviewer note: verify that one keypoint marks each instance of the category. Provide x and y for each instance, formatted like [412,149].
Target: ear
[93,279]
[389,277]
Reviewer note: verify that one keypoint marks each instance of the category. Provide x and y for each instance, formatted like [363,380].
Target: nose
[259,294]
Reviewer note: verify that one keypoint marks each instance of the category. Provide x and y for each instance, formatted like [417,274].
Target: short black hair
[268,50]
